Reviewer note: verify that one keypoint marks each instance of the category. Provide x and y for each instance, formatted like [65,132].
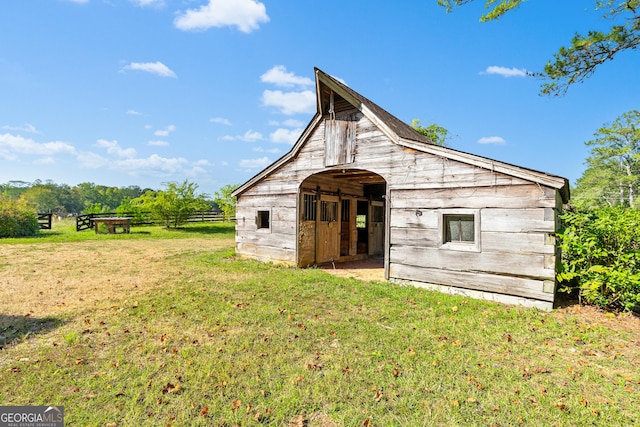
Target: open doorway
[362,227]
[341,217]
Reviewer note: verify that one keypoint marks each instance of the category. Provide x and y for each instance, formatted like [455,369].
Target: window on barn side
[459,229]
[263,220]
[309,203]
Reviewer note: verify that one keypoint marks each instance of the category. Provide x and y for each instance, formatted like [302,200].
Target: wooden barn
[360,183]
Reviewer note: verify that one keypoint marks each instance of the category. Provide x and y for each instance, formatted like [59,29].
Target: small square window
[459,229]
[263,220]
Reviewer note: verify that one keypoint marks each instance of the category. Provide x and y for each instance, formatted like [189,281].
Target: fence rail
[44,221]
[85,221]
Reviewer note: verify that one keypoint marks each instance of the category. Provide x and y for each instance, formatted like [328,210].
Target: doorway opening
[341,217]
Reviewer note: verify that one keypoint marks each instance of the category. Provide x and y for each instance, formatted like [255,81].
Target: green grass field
[221,341]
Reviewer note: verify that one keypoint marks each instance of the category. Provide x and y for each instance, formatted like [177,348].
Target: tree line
[63,199]
[88,197]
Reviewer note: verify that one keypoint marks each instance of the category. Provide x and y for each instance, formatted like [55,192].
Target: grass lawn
[162,328]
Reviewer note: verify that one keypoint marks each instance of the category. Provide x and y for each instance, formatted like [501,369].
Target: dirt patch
[367,270]
[50,279]
[597,317]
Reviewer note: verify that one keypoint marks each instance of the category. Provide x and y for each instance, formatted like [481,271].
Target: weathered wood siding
[278,243]
[517,218]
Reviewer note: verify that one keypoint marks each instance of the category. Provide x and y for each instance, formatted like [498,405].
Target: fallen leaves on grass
[171,388]
[298,421]
[560,405]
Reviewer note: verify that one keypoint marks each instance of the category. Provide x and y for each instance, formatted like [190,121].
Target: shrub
[601,257]
[17,219]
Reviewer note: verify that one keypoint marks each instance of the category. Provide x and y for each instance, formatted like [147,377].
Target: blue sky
[144,92]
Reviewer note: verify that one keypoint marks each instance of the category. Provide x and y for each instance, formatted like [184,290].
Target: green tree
[175,204]
[613,166]
[42,197]
[436,133]
[13,189]
[225,201]
[579,60]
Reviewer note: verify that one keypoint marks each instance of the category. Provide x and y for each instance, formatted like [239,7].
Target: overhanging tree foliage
[578,61]
[612,176]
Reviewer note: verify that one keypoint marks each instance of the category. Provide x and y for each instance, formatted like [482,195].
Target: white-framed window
[263,220]
[459,229]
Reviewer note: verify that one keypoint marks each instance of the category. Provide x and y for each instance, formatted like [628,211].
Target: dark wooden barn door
[328,231]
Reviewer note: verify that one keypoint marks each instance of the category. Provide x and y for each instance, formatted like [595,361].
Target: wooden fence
[85,221]
[44,221]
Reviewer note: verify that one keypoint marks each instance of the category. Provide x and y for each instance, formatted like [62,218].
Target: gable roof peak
[395,128]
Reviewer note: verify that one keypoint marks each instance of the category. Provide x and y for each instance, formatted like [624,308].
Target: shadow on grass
[19,328]
[211,229]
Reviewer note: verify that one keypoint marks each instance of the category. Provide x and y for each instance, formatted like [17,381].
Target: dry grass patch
[52,278]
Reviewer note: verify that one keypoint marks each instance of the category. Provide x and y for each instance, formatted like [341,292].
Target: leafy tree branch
[578,61]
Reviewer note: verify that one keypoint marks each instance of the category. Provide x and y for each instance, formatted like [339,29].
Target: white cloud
[220,120]
[148,3]
[114,148]
[269,150]
[90,160]
[11,145]
[249,136]
[152,163]
[279,76]
[46,161]
[134,113]
[285,136]
[291,123]
[255,163]
[158,143]
[27,127]
[497,140]
[166,131]
[246,15]
[157,68]
[506,72]
[290,102]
